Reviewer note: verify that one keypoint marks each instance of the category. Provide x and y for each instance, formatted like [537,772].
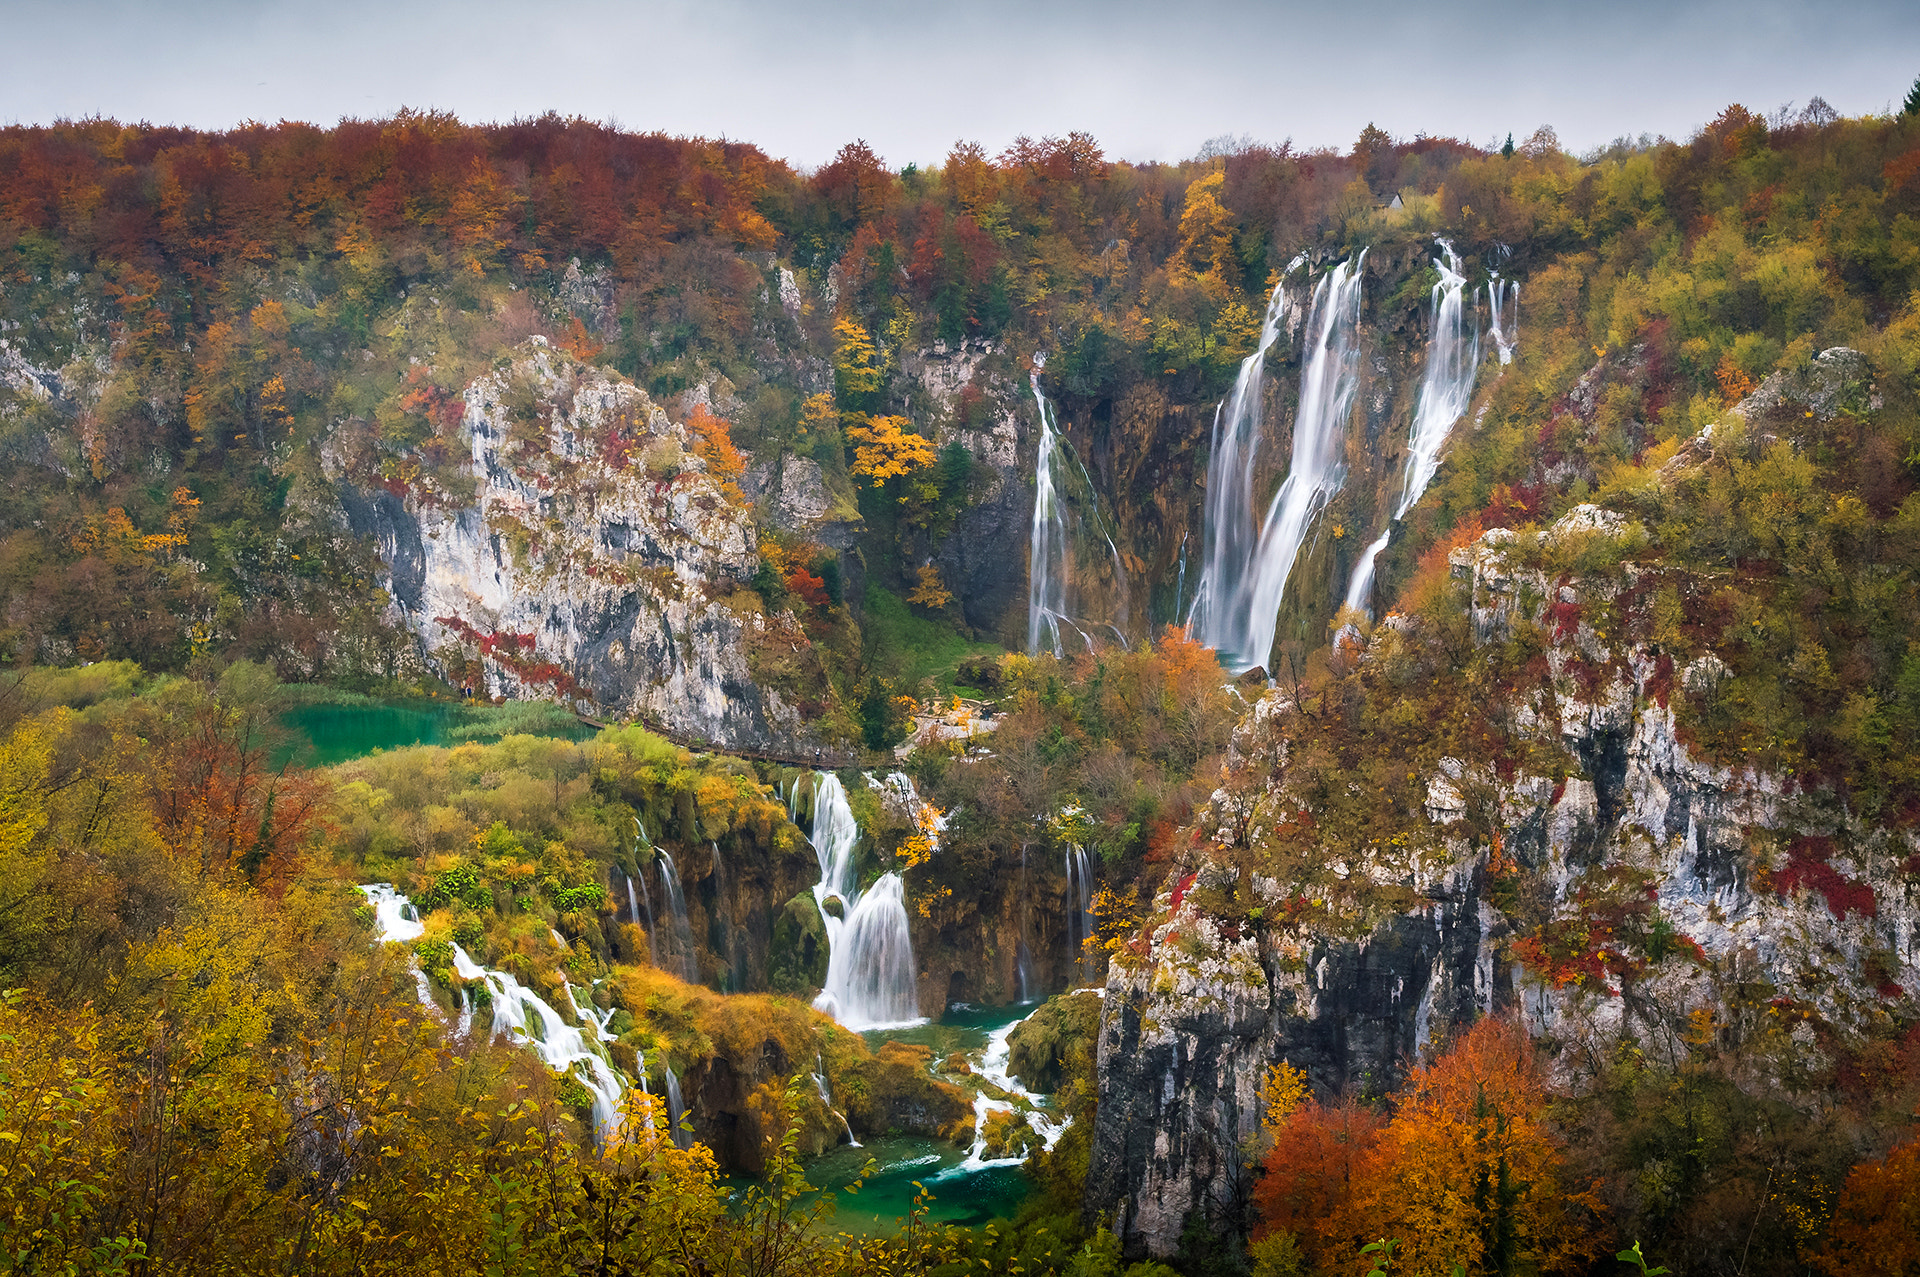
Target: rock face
[1750,883]
[595,559]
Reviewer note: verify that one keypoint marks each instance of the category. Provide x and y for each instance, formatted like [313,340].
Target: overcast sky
[799,78]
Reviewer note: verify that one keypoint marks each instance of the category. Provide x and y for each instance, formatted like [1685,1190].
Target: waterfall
[399,922]
[1023,957]
[518,1012]
[991,1067]
[826,1098]
[1050,545]
[527,1021]
[640,840]
[870,970]
[677,905]
[676,1111]
[722,919]
[1453,356]
[1079,905]
[1218,615]
[1503,300]
[1318,467]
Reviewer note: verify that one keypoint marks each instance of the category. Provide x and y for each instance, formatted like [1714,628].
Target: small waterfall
[676,1111]
[870,970]
[633,902]
[1079,905]
[677,905]
[641,840]
[519,1013]
[991,1066]
[1318,468]
[1023,957]
[399,923]
[1446,388]
[1219,615]
[826,1098]
[1503,300]
[525,1018]
[722,921]
[1050,544]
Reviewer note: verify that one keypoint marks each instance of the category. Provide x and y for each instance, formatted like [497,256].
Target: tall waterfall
[677,906]
[1219,614]
[870,970]
[1453,356]
[1050,544]
[1503,300]
[676,1111]
[722,922]
[1318,469]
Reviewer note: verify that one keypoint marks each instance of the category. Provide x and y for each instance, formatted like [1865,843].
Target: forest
[1694,466]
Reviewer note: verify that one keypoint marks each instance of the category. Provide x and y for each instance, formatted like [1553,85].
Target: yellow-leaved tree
[886,448]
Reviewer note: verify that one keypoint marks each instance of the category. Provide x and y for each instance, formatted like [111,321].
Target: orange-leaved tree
[886,448]
[1468,1173]
[1876,1224]
[713,445]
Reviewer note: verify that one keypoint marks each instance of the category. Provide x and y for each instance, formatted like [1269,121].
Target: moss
[1055,1045]
[797,957]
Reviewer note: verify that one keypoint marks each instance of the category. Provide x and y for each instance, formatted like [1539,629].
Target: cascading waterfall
[991,1067]
[1503,301]
[1318,468]
[826,1098]
[676,1111]
[399,922]
[1050,547]
[677,906]
[1023,957]
[519,1013]
[870,970]
[1446,388]
[633,902]
[1219,614]
[1079,905]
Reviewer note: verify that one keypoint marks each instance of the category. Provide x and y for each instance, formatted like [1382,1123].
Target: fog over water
[799,79]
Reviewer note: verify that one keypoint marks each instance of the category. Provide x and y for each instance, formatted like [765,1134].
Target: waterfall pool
[882,1204]
[326,734]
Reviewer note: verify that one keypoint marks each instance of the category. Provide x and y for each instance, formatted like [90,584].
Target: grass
[910,647]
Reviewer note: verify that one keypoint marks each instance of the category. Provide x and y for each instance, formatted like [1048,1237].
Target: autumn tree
[1877,1219]
[887,448]
[714,445]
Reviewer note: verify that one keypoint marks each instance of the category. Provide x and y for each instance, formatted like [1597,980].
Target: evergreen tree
[1507,150]
[1912,104]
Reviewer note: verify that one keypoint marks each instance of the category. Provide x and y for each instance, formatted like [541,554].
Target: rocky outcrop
[1749,897]
[595,559]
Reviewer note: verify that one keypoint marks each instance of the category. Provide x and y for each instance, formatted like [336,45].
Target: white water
[1446,388]
[1237,603]
[1050,545]
[870,970]
[677,906]
[826,1098]
[399,923]
[991,1065]
[519,1013]
[1503,300]
[1318,468]
[1079,905]
[676,1111]
[1219,615]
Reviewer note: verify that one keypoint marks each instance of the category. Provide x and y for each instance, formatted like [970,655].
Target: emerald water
[886,1198]
[326,734]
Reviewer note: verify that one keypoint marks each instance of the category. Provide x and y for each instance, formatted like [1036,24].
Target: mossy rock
[1009,1135]
[1055,1044]
[797,957]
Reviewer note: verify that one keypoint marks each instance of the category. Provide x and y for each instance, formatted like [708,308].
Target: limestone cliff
[1646,892]
[587,553]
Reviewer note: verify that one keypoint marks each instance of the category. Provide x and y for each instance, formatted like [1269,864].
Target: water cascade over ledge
[1328,381]
[1050,604]
[1446,387]
[1218,616]
[870,969]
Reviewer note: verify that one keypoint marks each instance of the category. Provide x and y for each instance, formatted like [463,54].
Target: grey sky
[1151,81]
